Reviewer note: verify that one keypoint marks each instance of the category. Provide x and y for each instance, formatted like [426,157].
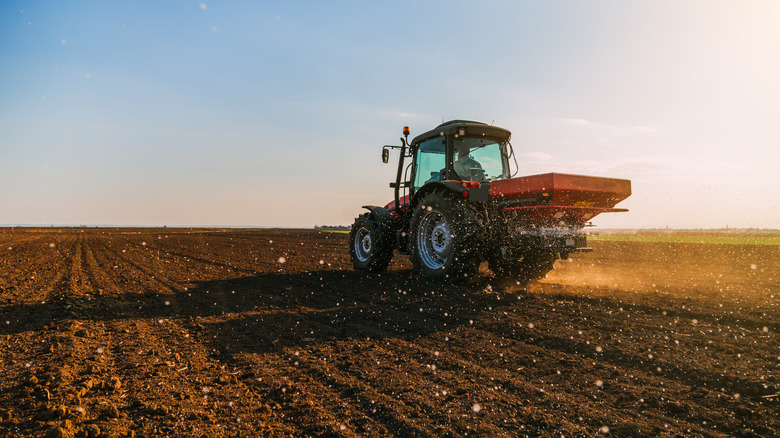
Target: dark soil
[177,332]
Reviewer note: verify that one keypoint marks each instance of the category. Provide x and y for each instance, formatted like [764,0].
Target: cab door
[430,162]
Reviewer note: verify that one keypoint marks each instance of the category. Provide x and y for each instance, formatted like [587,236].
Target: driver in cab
[467,168]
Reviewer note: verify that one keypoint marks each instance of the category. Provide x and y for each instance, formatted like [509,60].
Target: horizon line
[332,226]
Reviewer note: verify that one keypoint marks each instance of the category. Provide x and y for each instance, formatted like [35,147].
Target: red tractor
[457,204]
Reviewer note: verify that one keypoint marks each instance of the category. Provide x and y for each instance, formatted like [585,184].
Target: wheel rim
[363,244]
[434,240]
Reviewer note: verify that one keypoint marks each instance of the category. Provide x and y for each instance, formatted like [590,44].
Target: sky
[273,113]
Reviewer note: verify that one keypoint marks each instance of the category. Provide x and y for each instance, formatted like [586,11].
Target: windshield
[479,159]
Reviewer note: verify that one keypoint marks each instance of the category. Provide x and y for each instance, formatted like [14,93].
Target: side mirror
[385,155]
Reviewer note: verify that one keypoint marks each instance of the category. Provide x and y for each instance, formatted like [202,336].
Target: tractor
[457,204]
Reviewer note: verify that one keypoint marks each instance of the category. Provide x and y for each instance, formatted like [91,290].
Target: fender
[447,186]
[384,220]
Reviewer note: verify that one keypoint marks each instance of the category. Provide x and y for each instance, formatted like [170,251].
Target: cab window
[430,162]
[492,163]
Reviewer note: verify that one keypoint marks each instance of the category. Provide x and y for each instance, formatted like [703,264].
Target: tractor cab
[469,159]
[459,150]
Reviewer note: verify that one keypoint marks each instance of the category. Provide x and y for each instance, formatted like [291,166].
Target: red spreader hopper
[553,197]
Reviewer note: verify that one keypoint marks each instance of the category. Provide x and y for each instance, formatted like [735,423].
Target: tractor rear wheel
[368,247]
[444,237]
[531,267]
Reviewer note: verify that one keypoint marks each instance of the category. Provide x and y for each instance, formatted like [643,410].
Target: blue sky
[274,113]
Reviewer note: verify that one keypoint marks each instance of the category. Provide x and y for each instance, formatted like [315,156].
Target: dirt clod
[56,432]
[90,431]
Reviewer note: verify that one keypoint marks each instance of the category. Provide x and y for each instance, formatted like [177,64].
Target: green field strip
[692,238]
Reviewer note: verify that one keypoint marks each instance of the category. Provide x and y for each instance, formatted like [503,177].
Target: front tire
[444,237]
[368,248]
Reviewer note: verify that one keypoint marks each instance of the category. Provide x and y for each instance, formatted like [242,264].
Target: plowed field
[177,332]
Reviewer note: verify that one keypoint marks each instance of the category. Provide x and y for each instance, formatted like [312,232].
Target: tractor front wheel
[444,237]
[367,246]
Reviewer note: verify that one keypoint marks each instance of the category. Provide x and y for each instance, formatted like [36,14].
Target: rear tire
[531,267]
[444,237]
[368,247]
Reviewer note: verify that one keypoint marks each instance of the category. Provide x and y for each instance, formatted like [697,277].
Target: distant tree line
[332,227]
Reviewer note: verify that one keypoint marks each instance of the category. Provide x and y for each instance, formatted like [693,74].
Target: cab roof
[472,129]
